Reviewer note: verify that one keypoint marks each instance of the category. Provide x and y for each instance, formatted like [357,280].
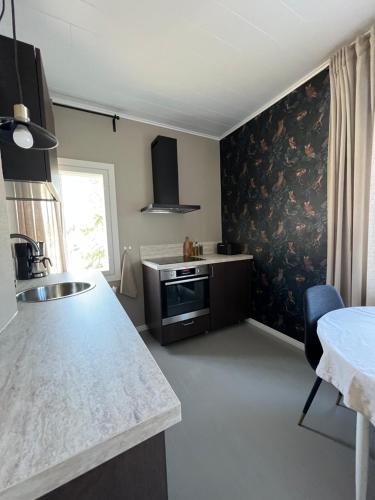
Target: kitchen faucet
[32,242]
[34,262]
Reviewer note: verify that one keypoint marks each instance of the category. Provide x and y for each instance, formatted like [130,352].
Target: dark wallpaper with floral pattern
[274,183]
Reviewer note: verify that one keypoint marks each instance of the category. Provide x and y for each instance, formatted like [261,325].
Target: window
[90,216]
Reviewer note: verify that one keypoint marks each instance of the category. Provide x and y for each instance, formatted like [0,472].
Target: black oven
[184,293]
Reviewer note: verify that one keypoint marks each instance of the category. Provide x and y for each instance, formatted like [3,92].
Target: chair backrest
[317,301]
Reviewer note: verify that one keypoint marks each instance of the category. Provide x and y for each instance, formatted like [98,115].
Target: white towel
[128,285]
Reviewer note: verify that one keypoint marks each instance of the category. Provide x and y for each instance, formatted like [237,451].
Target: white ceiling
[200,65]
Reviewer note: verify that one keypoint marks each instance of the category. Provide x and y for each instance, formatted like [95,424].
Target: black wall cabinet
[21,164]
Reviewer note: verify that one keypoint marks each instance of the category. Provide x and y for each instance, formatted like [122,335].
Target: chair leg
[339,396]
[309,400]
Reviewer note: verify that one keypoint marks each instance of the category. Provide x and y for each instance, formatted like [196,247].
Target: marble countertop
[213,258]
[78,386]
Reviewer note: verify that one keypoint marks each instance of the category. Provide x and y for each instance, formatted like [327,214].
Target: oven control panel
[183,272]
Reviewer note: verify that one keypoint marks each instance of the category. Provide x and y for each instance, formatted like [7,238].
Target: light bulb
[22,137]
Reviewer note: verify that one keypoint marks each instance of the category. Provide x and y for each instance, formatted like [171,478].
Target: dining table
[348,362]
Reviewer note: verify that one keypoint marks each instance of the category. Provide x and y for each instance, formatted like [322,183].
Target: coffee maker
[30,259]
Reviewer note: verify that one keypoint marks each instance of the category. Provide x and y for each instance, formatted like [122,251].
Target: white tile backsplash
[172,249]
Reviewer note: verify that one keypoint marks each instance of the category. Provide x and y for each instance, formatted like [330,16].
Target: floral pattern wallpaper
[274,197]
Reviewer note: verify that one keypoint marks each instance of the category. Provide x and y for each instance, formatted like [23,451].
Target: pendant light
[18,129]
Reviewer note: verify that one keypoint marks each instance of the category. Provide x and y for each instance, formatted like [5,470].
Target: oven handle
[201,278]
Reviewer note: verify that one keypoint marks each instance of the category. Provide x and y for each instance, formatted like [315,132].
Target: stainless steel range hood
[30,191]
[165,179]
[157,208]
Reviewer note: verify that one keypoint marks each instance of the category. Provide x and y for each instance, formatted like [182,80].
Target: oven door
[184,298]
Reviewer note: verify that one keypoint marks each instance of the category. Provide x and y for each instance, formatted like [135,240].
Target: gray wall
[88,137]
[8,305]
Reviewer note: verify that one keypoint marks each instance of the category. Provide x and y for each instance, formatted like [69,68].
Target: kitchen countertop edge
[207,259]
[66,471]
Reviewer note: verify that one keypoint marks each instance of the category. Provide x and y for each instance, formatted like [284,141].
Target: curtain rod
[76,108]
[366,33]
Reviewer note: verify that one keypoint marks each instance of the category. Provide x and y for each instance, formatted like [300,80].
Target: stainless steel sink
[54,291]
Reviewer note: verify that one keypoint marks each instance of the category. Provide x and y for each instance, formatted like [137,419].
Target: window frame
[108,172]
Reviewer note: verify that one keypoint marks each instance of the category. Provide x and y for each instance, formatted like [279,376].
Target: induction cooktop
[174,260]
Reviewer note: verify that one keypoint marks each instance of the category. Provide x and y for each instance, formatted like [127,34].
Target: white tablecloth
[348,362]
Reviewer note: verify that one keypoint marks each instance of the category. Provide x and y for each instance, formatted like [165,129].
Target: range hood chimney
[165,179]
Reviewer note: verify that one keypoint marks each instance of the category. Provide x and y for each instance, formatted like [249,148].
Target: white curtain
[370,285]
[42,221]
[351,185]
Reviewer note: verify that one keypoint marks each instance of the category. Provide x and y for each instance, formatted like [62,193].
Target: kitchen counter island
[78,387]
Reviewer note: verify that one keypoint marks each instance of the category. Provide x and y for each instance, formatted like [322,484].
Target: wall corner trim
[275,333]
[277,98]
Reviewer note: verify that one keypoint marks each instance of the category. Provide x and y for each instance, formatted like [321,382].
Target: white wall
[8,304]
[88,137]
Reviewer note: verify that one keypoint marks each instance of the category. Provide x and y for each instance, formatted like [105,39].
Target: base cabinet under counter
[184,329]
[138,474]
[219,295]
[229,293]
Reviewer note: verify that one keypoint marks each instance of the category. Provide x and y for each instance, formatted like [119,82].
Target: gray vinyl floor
[241,393]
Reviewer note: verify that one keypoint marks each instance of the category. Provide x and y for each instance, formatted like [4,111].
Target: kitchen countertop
[78,386]
[213,258]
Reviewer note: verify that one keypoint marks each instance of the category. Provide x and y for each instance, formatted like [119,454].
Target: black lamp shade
[42,138]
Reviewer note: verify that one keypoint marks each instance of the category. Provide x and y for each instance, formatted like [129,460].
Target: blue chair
[317,301]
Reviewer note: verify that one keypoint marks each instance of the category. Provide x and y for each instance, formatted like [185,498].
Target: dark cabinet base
[184,329]
[229,293]
[229,302]
[138,474]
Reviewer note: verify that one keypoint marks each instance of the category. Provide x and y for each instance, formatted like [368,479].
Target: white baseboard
[260,326]
[276,333]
